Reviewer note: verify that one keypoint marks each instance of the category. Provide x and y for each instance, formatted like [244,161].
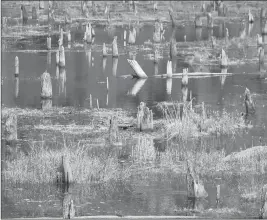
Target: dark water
[84,75]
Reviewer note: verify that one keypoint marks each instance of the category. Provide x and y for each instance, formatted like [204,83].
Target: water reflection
[104,63]
[156,68]
[169,86]
[49,59]
[16,87]
[198,33]
[137,86]
[114,65]
[62,81]
[46,104]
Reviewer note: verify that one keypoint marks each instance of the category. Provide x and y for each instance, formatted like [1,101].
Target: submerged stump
[46,85]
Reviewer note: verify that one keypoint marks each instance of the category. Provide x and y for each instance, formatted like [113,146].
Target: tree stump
[173,48]
[115,61]
[16,66]
[68,207]
[185,77]
[249,104]
[104,50]
[46,85]
[113,130]
[144,117]
[10,127]
[169,69]
[224,59]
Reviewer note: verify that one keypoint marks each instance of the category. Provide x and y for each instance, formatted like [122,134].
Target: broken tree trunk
[139,72]
[46,85]
[113,130]
[144,117]
[249,104]
[10,127]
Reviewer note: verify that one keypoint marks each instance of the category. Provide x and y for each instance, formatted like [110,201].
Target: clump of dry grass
[41,165]
[195,124]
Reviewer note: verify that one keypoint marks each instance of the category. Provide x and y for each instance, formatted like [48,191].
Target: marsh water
[86,73]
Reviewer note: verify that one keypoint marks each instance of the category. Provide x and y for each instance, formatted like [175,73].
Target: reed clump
[195,123]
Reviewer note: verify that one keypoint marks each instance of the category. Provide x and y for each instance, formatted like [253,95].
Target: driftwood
[10,127]
[249,104]
[46,85]
[144,117]
[139,72]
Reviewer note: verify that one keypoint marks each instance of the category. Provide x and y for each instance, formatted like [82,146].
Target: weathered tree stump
[185,77]
[195,187]
[115,52]
[46,104]
[249,104]
[104,50]
[69,36]
[250,17]
[218,194]
[113,130]
[24,15]
[68,207]
[16,66]
[34,13]
[144,117]
[48,41]
[224,59]
[10,127]
[132,36]
[46,85]
[169,69]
